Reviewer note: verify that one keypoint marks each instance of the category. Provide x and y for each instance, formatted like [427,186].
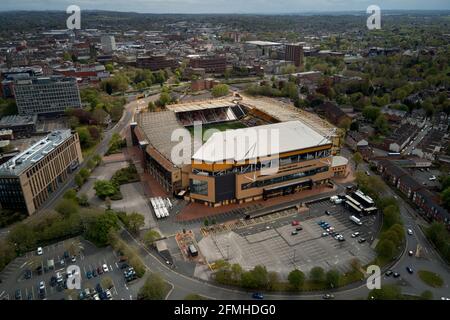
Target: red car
[295,223]
[99,270]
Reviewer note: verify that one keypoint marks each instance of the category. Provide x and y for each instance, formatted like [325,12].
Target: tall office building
[46,95]
[294,53]
[108,44]
[29,178]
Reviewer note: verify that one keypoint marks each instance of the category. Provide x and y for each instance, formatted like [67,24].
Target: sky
[224,6]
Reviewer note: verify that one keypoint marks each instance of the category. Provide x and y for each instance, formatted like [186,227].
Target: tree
[7,253]
[99,229]
[371,113]
[67,207]
[79,181]
[236,271]
[391,215]
[150,237]
[357,159]
[70,194]
[104,189]
[220,90]
[83,200]
[23,237]
[256,278]
[386,292]
[151,106]
[381,124]
[317,274]
[296,279]
[273,280]
[385,249]
[446,198]
[155,288]
[135,222]
[354,126]
[86,140]
[332,278]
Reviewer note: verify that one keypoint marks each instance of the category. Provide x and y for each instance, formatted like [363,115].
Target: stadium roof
[158,128]
[200,105]
[251,143]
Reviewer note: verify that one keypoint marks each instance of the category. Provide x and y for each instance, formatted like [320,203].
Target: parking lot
[272,244]
[87,259]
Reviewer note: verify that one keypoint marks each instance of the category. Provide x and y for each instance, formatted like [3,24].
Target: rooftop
[35,153]
[251,143]
[339,161]
[16,120]
[200,105]
[264,43]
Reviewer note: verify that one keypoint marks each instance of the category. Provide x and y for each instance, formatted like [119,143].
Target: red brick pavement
[197,210]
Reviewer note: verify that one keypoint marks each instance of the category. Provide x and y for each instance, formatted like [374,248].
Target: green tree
[220,90]
[155,288]
[317,274]
[386,292]
[446,198]
[256,278]
[135,222]
[83,200]
[79,181]
[296,279]
[151,106]
[385,249]
[273,280]
[357,159]
[67,207]
[371,113]
[104,189]
[332,278]
[98,230]
[150,237]
[86,140]
[23,237]
[70,194]
[381,124]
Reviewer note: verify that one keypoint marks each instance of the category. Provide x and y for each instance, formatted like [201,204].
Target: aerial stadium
[220,169]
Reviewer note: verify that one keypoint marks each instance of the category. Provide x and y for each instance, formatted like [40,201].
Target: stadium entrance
[286,189]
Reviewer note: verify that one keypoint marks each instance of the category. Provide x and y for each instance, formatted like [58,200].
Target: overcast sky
[224,6]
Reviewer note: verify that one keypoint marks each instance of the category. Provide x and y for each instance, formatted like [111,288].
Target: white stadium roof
[250,143]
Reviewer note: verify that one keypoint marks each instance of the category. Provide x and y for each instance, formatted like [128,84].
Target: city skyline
[222,6]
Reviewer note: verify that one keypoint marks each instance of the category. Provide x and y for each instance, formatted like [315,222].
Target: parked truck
[356,220]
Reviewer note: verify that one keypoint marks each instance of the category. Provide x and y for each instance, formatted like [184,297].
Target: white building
[108,44]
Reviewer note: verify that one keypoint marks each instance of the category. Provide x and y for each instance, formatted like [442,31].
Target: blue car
[258,296]
[89,275]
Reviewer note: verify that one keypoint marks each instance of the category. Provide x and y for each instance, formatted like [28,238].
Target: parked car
[94,273]
[410,253]
[18,294]
[362,240]
[324,234]
[89,274]
[388,273]
[294,233]
[27,274]
[98,288]
[41,285]
[299,229]
[396,274]
[39,251]
[354,235]
[124,266]
[66,255]
[410,232]
[105,268]
[410,270]
[99,270]
[295,223]
[73,259]
[327,212]
[53,281]
[258,296]
[62,262]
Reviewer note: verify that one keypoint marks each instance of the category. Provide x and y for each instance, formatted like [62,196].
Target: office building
[211,64]
[46,95]
[108,44]
[294,53]
[29,178]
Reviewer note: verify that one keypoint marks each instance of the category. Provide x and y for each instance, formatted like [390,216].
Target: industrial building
[29,178]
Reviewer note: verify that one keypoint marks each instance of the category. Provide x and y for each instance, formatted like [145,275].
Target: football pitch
[217,126]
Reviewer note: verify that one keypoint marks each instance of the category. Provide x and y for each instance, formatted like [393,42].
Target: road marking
[23,265]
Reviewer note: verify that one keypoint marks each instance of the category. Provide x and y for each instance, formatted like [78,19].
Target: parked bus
[353,208]
[350,199]
[193,250]
[356,220]
[364,200]
[371,210]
